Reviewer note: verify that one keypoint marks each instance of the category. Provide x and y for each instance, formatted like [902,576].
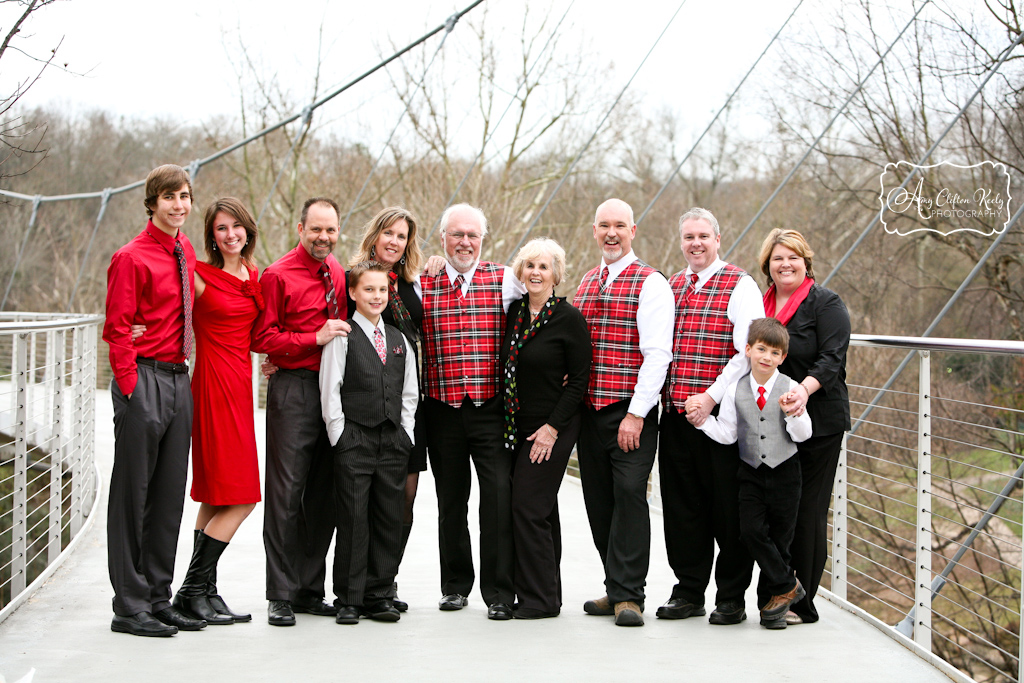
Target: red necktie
[458,287]
[604,278]
[333,311]
[186,300]
[691,289]
[760,398]
[378,343]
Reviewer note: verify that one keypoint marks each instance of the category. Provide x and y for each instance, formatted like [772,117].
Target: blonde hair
[791,239]
[409,265]
[536,247]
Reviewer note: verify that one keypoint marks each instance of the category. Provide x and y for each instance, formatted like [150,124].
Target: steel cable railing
[48,480]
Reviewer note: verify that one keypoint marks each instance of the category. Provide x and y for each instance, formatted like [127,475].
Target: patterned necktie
[604,278]
[458,288]
[378,343]
[760,398]
[333,311]
[186,300]
[692,289]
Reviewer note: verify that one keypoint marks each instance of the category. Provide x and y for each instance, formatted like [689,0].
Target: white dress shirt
[332,376]
[745,305]
[723,430]
[655,322]
[512,289]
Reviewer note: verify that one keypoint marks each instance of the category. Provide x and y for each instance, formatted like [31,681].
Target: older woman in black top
[390,238]
[819,334]
[546,354]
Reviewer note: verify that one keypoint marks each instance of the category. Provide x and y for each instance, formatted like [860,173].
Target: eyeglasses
[471,236]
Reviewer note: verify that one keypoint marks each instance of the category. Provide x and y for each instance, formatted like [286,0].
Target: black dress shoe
[400,605]
[531,613]
[679,608]
[499,611]
[728,613]
[452,602]
[221,607]
[381,610]
[142,624]
[347,614]
[279,613]
[316,606]
[173,617]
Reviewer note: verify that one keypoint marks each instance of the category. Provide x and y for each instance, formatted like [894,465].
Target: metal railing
[926,530]
[48,477]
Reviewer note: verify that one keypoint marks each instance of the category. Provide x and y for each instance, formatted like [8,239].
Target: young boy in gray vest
[769,472]
[368,394]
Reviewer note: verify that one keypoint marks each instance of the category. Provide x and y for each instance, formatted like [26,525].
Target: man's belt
[162,366]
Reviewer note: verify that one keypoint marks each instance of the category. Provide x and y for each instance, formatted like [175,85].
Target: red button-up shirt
[144,288]
[296,307]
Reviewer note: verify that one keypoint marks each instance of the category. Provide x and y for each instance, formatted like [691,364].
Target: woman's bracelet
[553,434]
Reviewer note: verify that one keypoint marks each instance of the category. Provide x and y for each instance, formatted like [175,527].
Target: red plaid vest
[702,343]
[461,340]
[611,317]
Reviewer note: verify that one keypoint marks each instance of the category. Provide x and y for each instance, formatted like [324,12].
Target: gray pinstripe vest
[762,434]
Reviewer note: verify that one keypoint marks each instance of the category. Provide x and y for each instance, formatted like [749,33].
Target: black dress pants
[298,518]
[535,524]
[700,506]
[615,493]
[819,457]
[454,437]
[370,467]
[152,435]
[768,502]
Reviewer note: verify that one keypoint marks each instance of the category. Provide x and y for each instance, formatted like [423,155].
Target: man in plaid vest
[714,304]
[464,310]
[628,307]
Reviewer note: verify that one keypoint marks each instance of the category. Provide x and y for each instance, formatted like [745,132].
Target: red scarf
[795,299]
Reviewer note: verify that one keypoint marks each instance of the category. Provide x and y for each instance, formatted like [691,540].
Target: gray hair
[533,249]
[697,213]
[447,216]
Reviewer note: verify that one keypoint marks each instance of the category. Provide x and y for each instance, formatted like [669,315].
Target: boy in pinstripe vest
[368,394]
[769,474]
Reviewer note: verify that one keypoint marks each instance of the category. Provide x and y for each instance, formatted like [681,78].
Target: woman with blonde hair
[819,335]
[546,356]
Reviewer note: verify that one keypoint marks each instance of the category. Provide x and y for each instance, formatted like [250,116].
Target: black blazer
[560,348]
[819,335]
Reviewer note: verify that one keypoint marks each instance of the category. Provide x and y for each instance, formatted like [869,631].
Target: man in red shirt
[304,292]
[149,283]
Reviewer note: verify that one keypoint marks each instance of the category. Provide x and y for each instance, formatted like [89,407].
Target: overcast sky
[174,60]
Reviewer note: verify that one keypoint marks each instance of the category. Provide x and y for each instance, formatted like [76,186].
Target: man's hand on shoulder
[629,432]
[331,329]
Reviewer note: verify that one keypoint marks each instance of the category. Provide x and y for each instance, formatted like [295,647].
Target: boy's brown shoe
[602,607]
[628,614]
[779,604]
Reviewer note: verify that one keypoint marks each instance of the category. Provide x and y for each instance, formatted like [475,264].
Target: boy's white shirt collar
[366,326]
[767,385]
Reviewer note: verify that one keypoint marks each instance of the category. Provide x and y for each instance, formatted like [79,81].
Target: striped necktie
[186,299]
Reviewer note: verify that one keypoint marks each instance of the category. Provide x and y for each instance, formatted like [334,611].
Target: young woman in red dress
[225,472]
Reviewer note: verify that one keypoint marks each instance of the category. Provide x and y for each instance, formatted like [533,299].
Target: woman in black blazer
[819,335]
[546,355]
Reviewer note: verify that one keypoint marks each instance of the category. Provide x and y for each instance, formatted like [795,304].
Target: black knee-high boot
[402,605]
[191,596]
[217,602]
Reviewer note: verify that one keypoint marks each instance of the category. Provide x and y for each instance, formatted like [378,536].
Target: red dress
[224,466]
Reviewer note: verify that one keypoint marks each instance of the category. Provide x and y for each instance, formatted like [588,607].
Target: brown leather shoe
[779,604]
[602,607]
[628,614]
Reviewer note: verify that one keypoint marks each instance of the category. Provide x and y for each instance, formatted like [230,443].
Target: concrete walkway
[63,631]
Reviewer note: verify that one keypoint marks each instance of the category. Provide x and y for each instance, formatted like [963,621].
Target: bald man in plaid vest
[464,310]
[628,307]
[714,304]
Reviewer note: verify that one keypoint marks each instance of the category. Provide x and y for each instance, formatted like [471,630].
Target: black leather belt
[177,368]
